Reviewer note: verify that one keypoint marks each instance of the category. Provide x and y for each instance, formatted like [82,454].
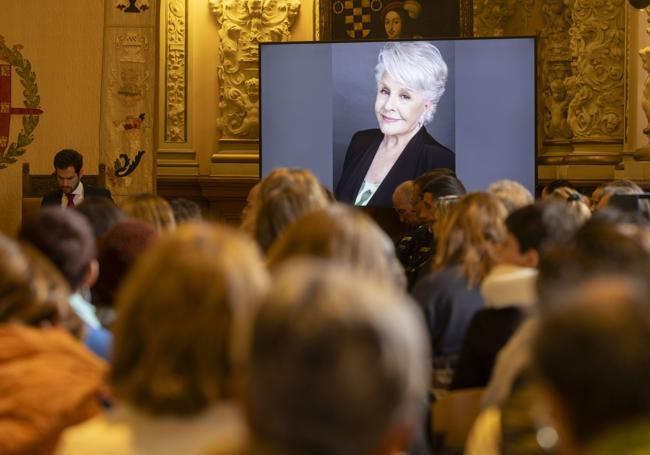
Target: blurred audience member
[511,193]
[182,318]
[552,186]
[48,380]
[338,365]
[152,209]
[118,250]
[185,210]
[402,203]
[65,237]
[343,234]
[101,213]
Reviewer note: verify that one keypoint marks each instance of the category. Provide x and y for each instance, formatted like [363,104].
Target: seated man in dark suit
[68,166]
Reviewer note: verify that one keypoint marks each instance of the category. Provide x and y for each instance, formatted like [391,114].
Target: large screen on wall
[314,97]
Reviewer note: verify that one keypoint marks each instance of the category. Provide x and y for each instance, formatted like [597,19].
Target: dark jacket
[421,154]
[54,197]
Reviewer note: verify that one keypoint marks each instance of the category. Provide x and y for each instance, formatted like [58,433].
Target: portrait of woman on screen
[411,78]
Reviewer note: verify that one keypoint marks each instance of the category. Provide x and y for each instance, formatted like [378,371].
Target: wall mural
[13,59]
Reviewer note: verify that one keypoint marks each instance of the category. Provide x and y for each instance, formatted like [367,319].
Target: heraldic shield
[358,17]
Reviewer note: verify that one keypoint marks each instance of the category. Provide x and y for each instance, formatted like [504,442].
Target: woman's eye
[384,91]
[405,97]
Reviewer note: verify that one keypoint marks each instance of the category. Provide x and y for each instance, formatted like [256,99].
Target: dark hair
[117,251]
[398,8]
[65,237]
[543,225]
[422,180]
[443,185]
[68,157]
[185,210]
[555,184]
[101,213]
[594,355]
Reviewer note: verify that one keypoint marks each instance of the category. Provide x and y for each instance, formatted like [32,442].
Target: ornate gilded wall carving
[556,67]
[176,72]
[490,16]
[242,25]
[596,86]
[643,154]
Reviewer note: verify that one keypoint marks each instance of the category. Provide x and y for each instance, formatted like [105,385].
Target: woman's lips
[389,119]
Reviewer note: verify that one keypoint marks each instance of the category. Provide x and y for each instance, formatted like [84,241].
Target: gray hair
[512,193]
[336,361]
[417,65]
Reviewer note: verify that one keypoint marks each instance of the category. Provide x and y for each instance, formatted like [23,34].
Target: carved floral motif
[597,39]
[242,25]
[176,72]
[490,16]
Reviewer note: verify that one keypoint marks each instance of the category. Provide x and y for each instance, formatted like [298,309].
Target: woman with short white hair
[411,79]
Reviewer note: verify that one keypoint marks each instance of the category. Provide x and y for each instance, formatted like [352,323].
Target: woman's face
[399,109]
[393,25]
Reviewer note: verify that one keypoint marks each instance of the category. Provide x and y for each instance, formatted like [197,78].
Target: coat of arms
[12,60]
[133,6]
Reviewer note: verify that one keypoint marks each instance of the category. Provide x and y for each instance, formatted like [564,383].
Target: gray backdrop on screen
[314,96]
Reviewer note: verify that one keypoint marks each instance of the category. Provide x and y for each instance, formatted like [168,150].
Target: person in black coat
[411,78]
[68,169]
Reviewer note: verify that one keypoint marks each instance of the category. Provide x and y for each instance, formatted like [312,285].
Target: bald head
[402,203]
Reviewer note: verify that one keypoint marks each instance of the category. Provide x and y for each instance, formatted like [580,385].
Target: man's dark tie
[70,197]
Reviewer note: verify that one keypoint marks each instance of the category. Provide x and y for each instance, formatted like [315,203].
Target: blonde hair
[337,361]
[469,236]
[344,234]
[152,209]
[179,313]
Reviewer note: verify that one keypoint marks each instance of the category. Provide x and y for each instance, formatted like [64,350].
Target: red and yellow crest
[12,60]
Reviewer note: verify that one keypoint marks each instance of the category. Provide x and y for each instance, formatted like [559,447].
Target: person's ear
[92,273]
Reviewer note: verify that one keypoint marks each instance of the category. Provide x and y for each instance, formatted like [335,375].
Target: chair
[35,186]
[453,415]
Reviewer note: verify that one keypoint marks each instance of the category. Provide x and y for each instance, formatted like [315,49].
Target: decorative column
[556,68]
[596,87]
[128,81]
[490,16]
[643,153]
[243,24]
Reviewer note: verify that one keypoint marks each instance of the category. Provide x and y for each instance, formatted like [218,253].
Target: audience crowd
[141,328]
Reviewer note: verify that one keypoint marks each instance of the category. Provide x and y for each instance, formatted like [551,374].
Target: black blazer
[54,197]
[421,154]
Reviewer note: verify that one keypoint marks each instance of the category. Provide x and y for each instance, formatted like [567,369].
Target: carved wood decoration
[643,154]
[556,68]
[596,87]
[242,25]
[490,16]
[176,72]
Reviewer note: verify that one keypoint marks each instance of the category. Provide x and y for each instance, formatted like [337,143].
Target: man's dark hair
[65,237]
[443,185]
[543,225]
[185,210]
[594,355]
[555,184]
[422,180]
[68,157]
[101,213]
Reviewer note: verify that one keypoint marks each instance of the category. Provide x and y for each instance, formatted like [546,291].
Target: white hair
[417,65]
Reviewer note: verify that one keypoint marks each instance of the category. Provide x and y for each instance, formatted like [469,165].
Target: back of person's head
[101,213]
[66,238]
[179,314]
[593,355]
[185,210]
[577,201]
[280,208]
[552,186]
[543,225]
[601,249]
[443,185]
[469,236]
[421,181]
[152,209]
[402,200]
[343,234]
[337,363]
[118,249]
[32,291]
[511,193]
[623,187]
[68,157]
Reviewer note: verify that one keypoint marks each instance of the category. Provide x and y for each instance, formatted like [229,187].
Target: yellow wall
[63,41]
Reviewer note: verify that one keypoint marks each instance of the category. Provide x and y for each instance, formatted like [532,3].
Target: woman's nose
[390,101]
